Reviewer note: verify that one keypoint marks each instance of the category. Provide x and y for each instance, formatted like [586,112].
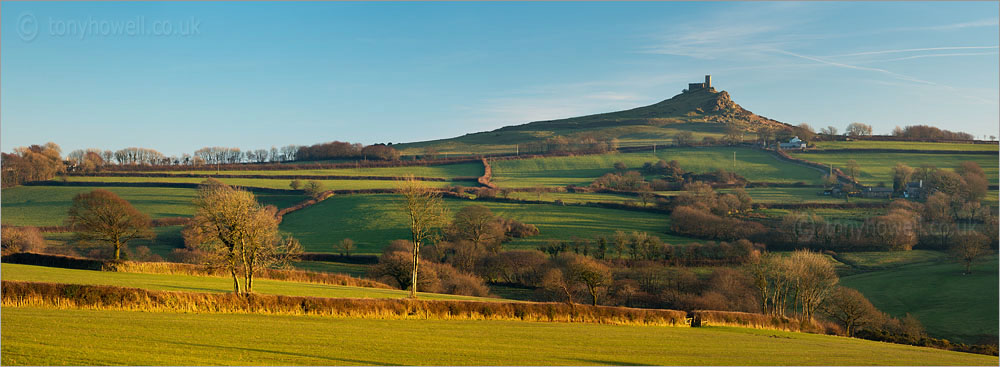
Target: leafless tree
[426,213]
[101,216]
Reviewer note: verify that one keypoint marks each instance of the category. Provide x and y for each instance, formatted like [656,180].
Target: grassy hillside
[510,141]
[47,205]
[702,112]
[375,220]
[45,336]
[188,283]
[753,164]
[951,305]
[877,167]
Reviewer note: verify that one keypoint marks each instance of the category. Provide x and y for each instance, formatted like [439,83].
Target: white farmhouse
[794,143]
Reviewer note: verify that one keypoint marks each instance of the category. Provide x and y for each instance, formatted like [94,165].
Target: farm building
[877,192]
[793,143]
[914,190]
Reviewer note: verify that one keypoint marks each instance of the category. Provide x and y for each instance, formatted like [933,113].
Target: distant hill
[701,111]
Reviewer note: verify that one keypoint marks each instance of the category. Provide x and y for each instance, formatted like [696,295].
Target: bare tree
[103,217]
[231,223]
[853,167]
[850,308]
[813,278]
[596,277]
[426,212]
[345,246]
[476,224]
[969,247]
[829,130]
[313,188]
[859,129]
[555,281]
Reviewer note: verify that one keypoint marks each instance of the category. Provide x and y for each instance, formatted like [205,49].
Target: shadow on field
[611,363]
[342,360]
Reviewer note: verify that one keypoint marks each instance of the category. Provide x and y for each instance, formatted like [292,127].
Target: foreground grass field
[188,283]
[877,167]
[375,220]
[755,165]
[47,205]
[33,336]
[951,305]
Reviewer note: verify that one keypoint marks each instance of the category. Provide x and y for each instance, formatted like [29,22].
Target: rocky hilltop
[700,105]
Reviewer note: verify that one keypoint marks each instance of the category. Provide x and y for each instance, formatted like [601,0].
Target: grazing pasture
[37,336]
[265,183]
[797,195]
[877,167]
[190,283]
[47,205]
[374,220]
[167,239]
[755,165]
[951,305]
[902,145]
[474,169]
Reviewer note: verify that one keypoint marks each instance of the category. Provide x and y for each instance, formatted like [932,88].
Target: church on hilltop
[696,86]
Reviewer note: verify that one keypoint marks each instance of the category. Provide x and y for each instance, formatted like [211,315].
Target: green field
[957,307]
[36,336]
[794,195]
[266,183]
[355,270]
[755,165]
[189,283]
[167,239]
[513,140]
[47,205]
[441,171]
[877,167]
[569,197]
[902,145]
[374,220]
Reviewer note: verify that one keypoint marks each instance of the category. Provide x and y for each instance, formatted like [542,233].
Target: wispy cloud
[856,67]
[879,52]
[932,55]
[993,22]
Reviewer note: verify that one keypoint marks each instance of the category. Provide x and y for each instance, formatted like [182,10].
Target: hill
[702,112]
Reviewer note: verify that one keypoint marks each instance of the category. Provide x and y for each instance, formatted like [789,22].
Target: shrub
[21,239]
[118,298]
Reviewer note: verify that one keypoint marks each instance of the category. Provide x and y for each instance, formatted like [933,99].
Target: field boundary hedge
[840,175]
[487,175]
[353,259]
[72,262]
[158,222]
[291,166]
[591,204]
[35,294]
[915,151]
[761,321]
[269,177]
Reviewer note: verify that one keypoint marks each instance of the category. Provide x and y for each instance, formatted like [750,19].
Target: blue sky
[253,75]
